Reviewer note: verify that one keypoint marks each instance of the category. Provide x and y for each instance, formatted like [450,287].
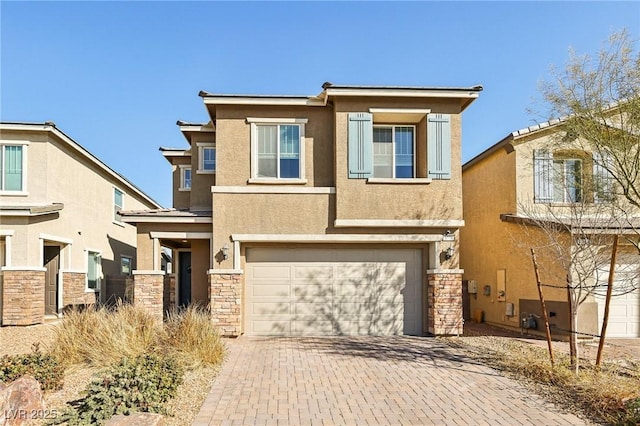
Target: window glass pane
[382,152]
[12,168]
[186,178]
[118,203]
[267,152]
[289,151]
[93,270]
[125,265]
[404,152]
[208,159]
[573,169]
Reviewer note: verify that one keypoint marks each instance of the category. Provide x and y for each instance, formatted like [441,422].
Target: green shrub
[193,338]
[144,384]
[43,367]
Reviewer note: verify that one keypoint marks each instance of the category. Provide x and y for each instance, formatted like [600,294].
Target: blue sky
[115,76]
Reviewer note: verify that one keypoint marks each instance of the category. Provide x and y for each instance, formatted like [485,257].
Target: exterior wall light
[225,252]
[448,253]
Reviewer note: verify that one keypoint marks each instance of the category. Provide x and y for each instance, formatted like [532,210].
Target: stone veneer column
[444,301]
[74,290]
[22,296]
[225,300]
[148,291]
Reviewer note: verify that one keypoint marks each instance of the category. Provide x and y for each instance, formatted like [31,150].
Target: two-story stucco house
[62,241]
[513,193]
[335,214]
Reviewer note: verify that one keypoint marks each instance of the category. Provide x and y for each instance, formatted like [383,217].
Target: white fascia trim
[185,153]
[377,223]
[225,272]
[336,238]
[7,232]
[223,100]
[403,93]
[445,271]
[273,190]
[277,120]
[149,272]
[182,235]
[49,237]
[400,181]
[275,181]
[195,128]
[23,268]
[165,219]
[399,111]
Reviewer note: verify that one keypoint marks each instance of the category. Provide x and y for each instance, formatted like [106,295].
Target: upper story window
[393,151]
[206,158]
[185,178]
[118,204]
[389,151]
[570,176]
[277,149]
[12,168]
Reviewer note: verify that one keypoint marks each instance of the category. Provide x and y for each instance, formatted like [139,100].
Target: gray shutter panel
[439,146]
[542,176]
[602,179]
[360,145]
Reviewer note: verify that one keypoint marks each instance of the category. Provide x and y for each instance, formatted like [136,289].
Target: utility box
[472,287]
[509,309]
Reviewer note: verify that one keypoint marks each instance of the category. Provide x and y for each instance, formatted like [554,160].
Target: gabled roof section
[50,127]
[507,142]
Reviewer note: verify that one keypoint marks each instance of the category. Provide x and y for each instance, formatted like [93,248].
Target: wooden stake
[542,304]
[605,319]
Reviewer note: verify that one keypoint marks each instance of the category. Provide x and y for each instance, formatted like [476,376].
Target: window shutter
[439,146]
[360,145]
[602,179]
[542,176]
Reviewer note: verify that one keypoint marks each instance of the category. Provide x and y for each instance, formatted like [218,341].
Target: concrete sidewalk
[366,380]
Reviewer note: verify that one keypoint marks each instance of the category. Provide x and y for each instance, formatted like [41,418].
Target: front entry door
[184,278]
[51,262]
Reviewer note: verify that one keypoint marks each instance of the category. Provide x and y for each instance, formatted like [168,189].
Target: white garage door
[624,310]
[333,292]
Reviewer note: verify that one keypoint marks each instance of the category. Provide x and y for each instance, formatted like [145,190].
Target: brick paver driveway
[366,380]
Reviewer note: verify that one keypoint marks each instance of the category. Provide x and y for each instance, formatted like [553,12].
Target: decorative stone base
[225,301]
[444,301]
[148,290]
[22,297]
[169,297]
[73,293]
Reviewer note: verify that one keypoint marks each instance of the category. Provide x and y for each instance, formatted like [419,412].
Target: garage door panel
[270,289]
[270,272]
[270,308]
[624,312]
[339,291]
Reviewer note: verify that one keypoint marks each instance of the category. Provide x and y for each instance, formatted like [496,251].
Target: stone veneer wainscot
[444,300]
[225,300]
[23,296]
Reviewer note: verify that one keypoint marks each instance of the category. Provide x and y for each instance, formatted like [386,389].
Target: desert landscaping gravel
[185,407]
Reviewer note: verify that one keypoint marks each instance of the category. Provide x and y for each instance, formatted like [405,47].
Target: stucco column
[148,291]
[444,301]
[225,300]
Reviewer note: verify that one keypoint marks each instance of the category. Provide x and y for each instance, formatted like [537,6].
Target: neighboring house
[315,214]
[62,241]
[508,191]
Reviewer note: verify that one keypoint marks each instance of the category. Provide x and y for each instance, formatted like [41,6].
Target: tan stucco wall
[181,199]
[57,174]
[201,183]
[234,142]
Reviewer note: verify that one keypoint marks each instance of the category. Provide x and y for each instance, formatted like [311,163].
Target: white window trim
[114,219]
[86,264]
[24,144]
[254,122]
[182,168]
[393,155]
[201,147]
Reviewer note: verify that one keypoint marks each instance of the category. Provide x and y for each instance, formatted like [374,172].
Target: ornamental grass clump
[193,338]
[103,336]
